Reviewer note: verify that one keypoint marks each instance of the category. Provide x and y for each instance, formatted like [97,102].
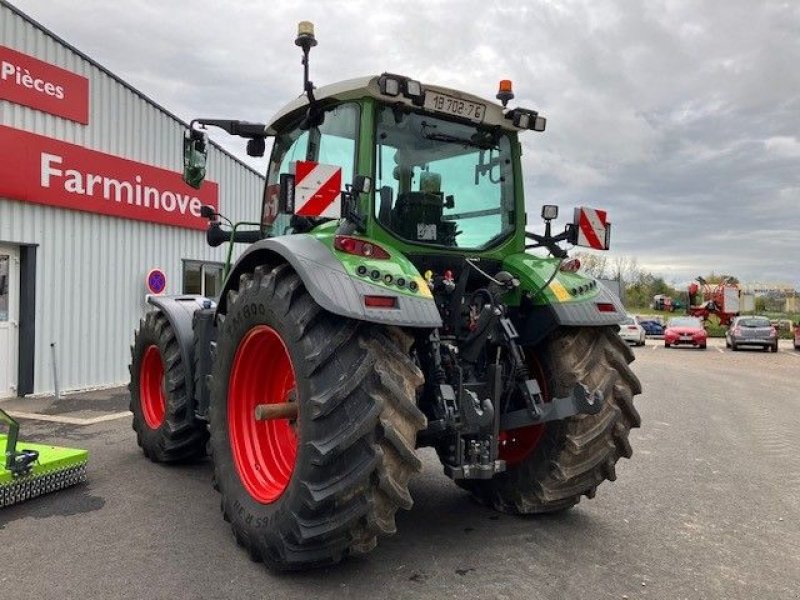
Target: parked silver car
[751,331]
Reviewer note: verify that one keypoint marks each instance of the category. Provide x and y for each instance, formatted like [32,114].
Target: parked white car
[631,332]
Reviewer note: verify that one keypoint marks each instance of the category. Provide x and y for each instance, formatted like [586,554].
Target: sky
[680,118]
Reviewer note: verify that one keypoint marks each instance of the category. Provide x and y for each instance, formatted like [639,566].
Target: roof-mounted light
[305,35]
[389,86]
[505,92]
[526,119]
[394,85]
[413,88]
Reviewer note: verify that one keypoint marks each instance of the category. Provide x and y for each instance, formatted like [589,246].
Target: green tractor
[386,302]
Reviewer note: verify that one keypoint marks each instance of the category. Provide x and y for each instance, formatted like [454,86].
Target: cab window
[333,142]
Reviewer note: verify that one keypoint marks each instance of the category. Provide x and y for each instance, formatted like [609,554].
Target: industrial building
[91,203]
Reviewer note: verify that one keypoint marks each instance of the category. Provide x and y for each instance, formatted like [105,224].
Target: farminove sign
[31,82]
[34,168]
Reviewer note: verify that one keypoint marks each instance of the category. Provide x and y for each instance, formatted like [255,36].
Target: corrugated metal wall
[91,268]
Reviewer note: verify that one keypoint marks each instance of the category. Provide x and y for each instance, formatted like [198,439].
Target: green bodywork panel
[535,275]
[396,267]
[51,459]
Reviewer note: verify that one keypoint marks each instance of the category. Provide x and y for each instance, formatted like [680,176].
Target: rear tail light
[358,247]
[605,307]
[570,266]
[380,301]
[632,327]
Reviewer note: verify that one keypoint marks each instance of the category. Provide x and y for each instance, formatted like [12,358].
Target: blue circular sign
[156,281]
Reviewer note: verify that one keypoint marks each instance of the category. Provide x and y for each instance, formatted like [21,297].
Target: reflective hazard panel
[593,228]
[271,204]
[318,190]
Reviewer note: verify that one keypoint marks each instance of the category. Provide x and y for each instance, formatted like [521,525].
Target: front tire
[344,465]
[575,455]
[163,419]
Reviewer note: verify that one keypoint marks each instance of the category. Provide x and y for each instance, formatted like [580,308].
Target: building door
[9,316]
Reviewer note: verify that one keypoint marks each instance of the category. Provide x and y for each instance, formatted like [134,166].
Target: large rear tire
[163,419]
[572,457]
[308,492]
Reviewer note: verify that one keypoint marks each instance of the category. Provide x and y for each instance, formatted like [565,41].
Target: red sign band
[34,168]
[31,82]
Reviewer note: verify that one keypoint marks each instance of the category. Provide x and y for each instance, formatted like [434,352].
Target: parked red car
[685,330]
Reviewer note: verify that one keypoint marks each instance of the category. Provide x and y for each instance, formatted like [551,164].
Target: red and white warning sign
[593,228]
[318,190]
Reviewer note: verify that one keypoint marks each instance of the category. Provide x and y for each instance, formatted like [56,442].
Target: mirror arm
[216,236]
[239,128]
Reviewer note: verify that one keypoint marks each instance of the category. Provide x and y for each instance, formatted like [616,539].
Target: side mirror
[195,153]
[256,147]
[362,184]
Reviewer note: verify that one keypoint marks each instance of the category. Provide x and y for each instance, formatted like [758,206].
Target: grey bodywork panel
[179,311]
[330,285]
[586,313]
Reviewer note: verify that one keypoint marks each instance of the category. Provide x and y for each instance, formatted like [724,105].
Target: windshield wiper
[452,139]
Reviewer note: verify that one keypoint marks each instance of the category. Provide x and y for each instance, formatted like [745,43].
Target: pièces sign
[31,82]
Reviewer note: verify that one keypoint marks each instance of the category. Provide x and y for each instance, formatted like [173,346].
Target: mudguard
[337,289]
[559,298]
[179,311]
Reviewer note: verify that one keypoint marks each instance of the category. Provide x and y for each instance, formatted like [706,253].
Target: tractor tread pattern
[181,437]
[357,443]
[577,454]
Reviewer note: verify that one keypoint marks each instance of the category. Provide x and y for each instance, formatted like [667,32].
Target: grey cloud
[679,117]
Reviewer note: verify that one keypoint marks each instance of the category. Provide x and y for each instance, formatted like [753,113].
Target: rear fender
[180,311]
[556,298]
[333,283]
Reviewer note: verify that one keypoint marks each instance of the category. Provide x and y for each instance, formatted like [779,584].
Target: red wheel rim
[264,452]
[516,444]
[151,387]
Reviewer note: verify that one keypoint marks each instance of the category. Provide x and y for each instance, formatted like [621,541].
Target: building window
[204,278]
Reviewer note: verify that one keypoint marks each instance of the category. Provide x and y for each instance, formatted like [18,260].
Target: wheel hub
[151,387]
[264,452]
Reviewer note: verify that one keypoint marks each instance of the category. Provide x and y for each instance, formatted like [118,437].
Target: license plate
[454,106]
[686,338]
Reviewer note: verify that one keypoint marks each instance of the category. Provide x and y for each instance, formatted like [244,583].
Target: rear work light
[380,301]
[605,307]
[357,247]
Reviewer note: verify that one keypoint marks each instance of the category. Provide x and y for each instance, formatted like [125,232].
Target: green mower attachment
[37,469]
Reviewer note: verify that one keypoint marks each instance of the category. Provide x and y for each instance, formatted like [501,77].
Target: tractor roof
[362,87]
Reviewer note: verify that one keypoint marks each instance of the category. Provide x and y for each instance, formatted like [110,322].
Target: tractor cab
[441,181]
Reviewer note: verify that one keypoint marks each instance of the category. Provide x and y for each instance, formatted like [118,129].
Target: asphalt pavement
[707,508]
